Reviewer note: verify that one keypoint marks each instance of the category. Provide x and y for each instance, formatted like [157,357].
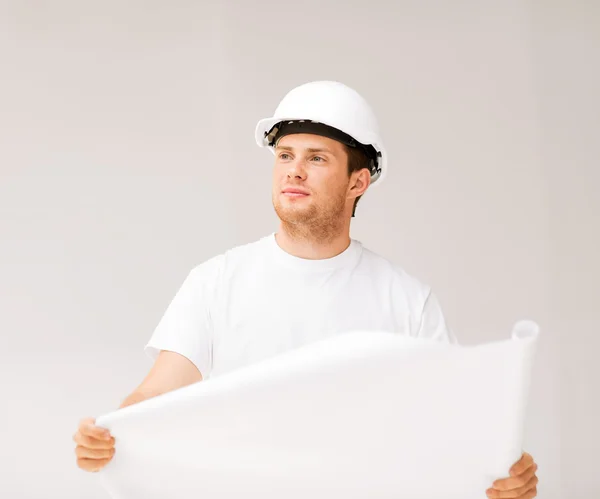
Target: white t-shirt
[256,301]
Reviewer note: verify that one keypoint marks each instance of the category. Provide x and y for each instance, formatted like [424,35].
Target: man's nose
[297,169]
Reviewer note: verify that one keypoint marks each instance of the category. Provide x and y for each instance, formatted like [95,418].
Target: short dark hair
[357,160]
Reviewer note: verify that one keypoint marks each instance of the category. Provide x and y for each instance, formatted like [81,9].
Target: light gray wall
[127,157]
[566,61]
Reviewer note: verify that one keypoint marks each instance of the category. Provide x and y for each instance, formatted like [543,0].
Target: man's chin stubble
[304,224]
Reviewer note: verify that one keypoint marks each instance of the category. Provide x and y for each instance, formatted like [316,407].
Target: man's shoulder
[429,321]
[232,256]
[386,267]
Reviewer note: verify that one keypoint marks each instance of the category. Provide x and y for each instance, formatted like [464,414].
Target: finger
[517,493]
[86,453]
[93,443]
[92,465]
[87,427]
[522,464]
[515,482]
[531,494]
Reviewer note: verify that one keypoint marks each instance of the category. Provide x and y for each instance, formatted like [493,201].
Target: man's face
[317,168]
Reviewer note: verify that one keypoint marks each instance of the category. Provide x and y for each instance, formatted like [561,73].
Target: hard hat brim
[262,128]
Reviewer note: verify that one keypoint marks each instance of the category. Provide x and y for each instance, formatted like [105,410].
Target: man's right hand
[95,446]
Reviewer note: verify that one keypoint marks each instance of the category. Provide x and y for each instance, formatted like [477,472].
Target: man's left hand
[522,483]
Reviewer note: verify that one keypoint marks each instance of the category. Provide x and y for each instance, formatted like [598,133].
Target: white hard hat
[332,104]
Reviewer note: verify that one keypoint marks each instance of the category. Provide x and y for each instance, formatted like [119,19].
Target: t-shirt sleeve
[433,323]
[186,326]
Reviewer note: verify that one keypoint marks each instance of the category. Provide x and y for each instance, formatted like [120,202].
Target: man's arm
[95,445]
[169,372]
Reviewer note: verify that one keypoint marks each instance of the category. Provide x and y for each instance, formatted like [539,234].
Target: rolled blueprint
[361,414]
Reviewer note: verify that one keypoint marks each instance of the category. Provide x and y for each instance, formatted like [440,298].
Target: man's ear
[360,181]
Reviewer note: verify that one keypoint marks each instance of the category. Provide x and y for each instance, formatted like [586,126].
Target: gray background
[127,157]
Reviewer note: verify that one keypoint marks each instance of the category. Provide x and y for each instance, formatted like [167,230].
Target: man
[301,284]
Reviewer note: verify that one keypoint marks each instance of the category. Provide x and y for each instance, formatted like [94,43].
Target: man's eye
[283,156]
[319,158]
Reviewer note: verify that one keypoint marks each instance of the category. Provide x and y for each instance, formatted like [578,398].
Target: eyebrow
[308,149]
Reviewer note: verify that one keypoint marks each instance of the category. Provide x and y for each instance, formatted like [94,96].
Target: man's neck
[312,247]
